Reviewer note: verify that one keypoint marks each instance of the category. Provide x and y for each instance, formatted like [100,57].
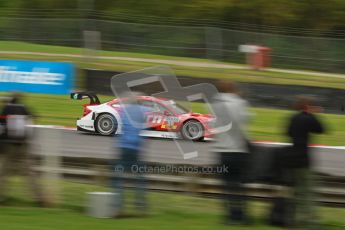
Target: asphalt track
[71,143]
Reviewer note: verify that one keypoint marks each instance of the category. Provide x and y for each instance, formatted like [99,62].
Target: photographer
[15,119]
[301,126]
[293,165]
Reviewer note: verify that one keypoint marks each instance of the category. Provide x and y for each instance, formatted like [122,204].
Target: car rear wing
[83,95]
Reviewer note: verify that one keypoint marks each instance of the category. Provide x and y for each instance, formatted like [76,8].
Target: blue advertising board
[36,76]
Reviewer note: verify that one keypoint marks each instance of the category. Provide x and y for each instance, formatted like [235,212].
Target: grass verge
[167,211]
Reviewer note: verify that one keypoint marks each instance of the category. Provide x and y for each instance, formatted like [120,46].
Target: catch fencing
[295,52]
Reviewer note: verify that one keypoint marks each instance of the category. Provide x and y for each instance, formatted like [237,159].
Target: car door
[155,117]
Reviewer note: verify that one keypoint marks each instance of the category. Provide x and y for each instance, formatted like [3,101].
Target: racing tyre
[106,124]
[192,130]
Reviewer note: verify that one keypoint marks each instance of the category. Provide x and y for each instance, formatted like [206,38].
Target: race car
[166,118]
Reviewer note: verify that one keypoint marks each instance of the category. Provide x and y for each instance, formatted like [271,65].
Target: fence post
[50,141]
[92,43]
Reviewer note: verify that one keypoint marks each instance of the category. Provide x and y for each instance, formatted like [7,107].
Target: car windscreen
[175,107]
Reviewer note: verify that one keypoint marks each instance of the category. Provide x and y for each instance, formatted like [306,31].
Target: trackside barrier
[332,191]
[56,164]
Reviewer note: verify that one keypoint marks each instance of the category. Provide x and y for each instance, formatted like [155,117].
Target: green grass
[31,47]
[241,75]
[266,124]
[167,211]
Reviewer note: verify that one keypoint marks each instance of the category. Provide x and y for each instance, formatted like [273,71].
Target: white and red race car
[166,119]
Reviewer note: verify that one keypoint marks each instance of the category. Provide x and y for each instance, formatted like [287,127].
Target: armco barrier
[331,191]
[94,165]
[36,76]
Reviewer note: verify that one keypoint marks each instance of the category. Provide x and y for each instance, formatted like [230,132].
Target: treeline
[297,17]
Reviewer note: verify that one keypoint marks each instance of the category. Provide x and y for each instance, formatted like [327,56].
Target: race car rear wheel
[106,124]
[192,130]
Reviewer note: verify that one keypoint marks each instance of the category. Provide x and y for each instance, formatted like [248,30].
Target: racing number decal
[162,121]
[154,119]
[170,123]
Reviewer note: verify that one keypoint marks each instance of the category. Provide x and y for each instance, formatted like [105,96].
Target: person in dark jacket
[301,126]
[14,119]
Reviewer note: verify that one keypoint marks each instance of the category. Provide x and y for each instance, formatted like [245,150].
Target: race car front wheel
[106,124]
[192,130]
